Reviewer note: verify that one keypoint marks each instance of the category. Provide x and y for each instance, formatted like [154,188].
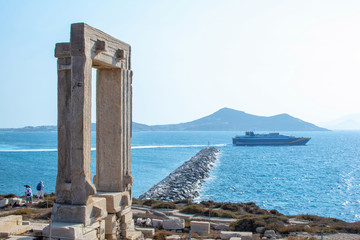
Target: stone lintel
[62,50]
[101,47]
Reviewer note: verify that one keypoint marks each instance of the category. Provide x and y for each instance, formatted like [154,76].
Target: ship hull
[249,141]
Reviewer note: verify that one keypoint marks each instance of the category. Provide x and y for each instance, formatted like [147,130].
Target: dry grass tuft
[168,205]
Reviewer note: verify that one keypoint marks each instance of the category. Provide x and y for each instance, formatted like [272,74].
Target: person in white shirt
[29,196]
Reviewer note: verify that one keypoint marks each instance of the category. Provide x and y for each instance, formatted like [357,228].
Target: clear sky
[193,57]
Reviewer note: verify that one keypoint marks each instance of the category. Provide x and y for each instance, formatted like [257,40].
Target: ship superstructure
[269,139]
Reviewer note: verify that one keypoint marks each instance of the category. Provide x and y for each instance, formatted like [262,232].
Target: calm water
[321,178]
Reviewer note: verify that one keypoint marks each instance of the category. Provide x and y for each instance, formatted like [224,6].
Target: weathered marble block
[174,224]
[85,214]
[200,227]
[157,222]
[64,230]
[113,200]
[4,202]
[110,224]
[148,232]
[225,235]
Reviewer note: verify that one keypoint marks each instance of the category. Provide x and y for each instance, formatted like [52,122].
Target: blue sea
[321,178]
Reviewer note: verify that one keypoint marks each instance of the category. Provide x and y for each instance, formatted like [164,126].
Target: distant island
[225,119]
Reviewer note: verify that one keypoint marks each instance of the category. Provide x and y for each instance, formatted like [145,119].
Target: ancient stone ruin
[82,210]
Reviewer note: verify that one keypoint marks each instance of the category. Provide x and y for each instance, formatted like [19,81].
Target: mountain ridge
[225,119]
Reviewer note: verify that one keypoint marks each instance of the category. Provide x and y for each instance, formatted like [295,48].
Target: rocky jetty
[184,182]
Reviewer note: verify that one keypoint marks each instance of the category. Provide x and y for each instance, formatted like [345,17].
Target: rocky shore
[184,182]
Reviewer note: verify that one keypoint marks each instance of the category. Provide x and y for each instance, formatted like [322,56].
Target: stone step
[19,229]
[10,221]
[132,235]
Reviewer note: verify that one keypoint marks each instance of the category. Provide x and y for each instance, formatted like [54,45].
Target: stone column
[81,186]
[128,95]
[63,181]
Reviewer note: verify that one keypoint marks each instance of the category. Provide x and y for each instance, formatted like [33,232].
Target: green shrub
[246,225]
[309,217]
[207,203]
[347,227]
[168,205]
[183,201]
[219,213]
[46,203]
[251,222]
[274,226]
[230,206]
[10,195]
[210,204]
[193,209]
[149,202]
[25,211]
[275,212]
[316,229]
[291,228]
[45,215]
[252,208]
[226,214]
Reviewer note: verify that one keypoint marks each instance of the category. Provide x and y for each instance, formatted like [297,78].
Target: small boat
[269,139]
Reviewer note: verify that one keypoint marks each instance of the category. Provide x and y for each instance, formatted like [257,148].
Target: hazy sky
[193,57]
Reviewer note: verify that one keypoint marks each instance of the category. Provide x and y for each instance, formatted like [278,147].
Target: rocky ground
[248,217]
[242,217]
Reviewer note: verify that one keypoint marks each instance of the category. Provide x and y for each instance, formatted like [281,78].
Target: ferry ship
[269,139]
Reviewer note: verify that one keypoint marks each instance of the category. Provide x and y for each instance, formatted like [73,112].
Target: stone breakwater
[185,181]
